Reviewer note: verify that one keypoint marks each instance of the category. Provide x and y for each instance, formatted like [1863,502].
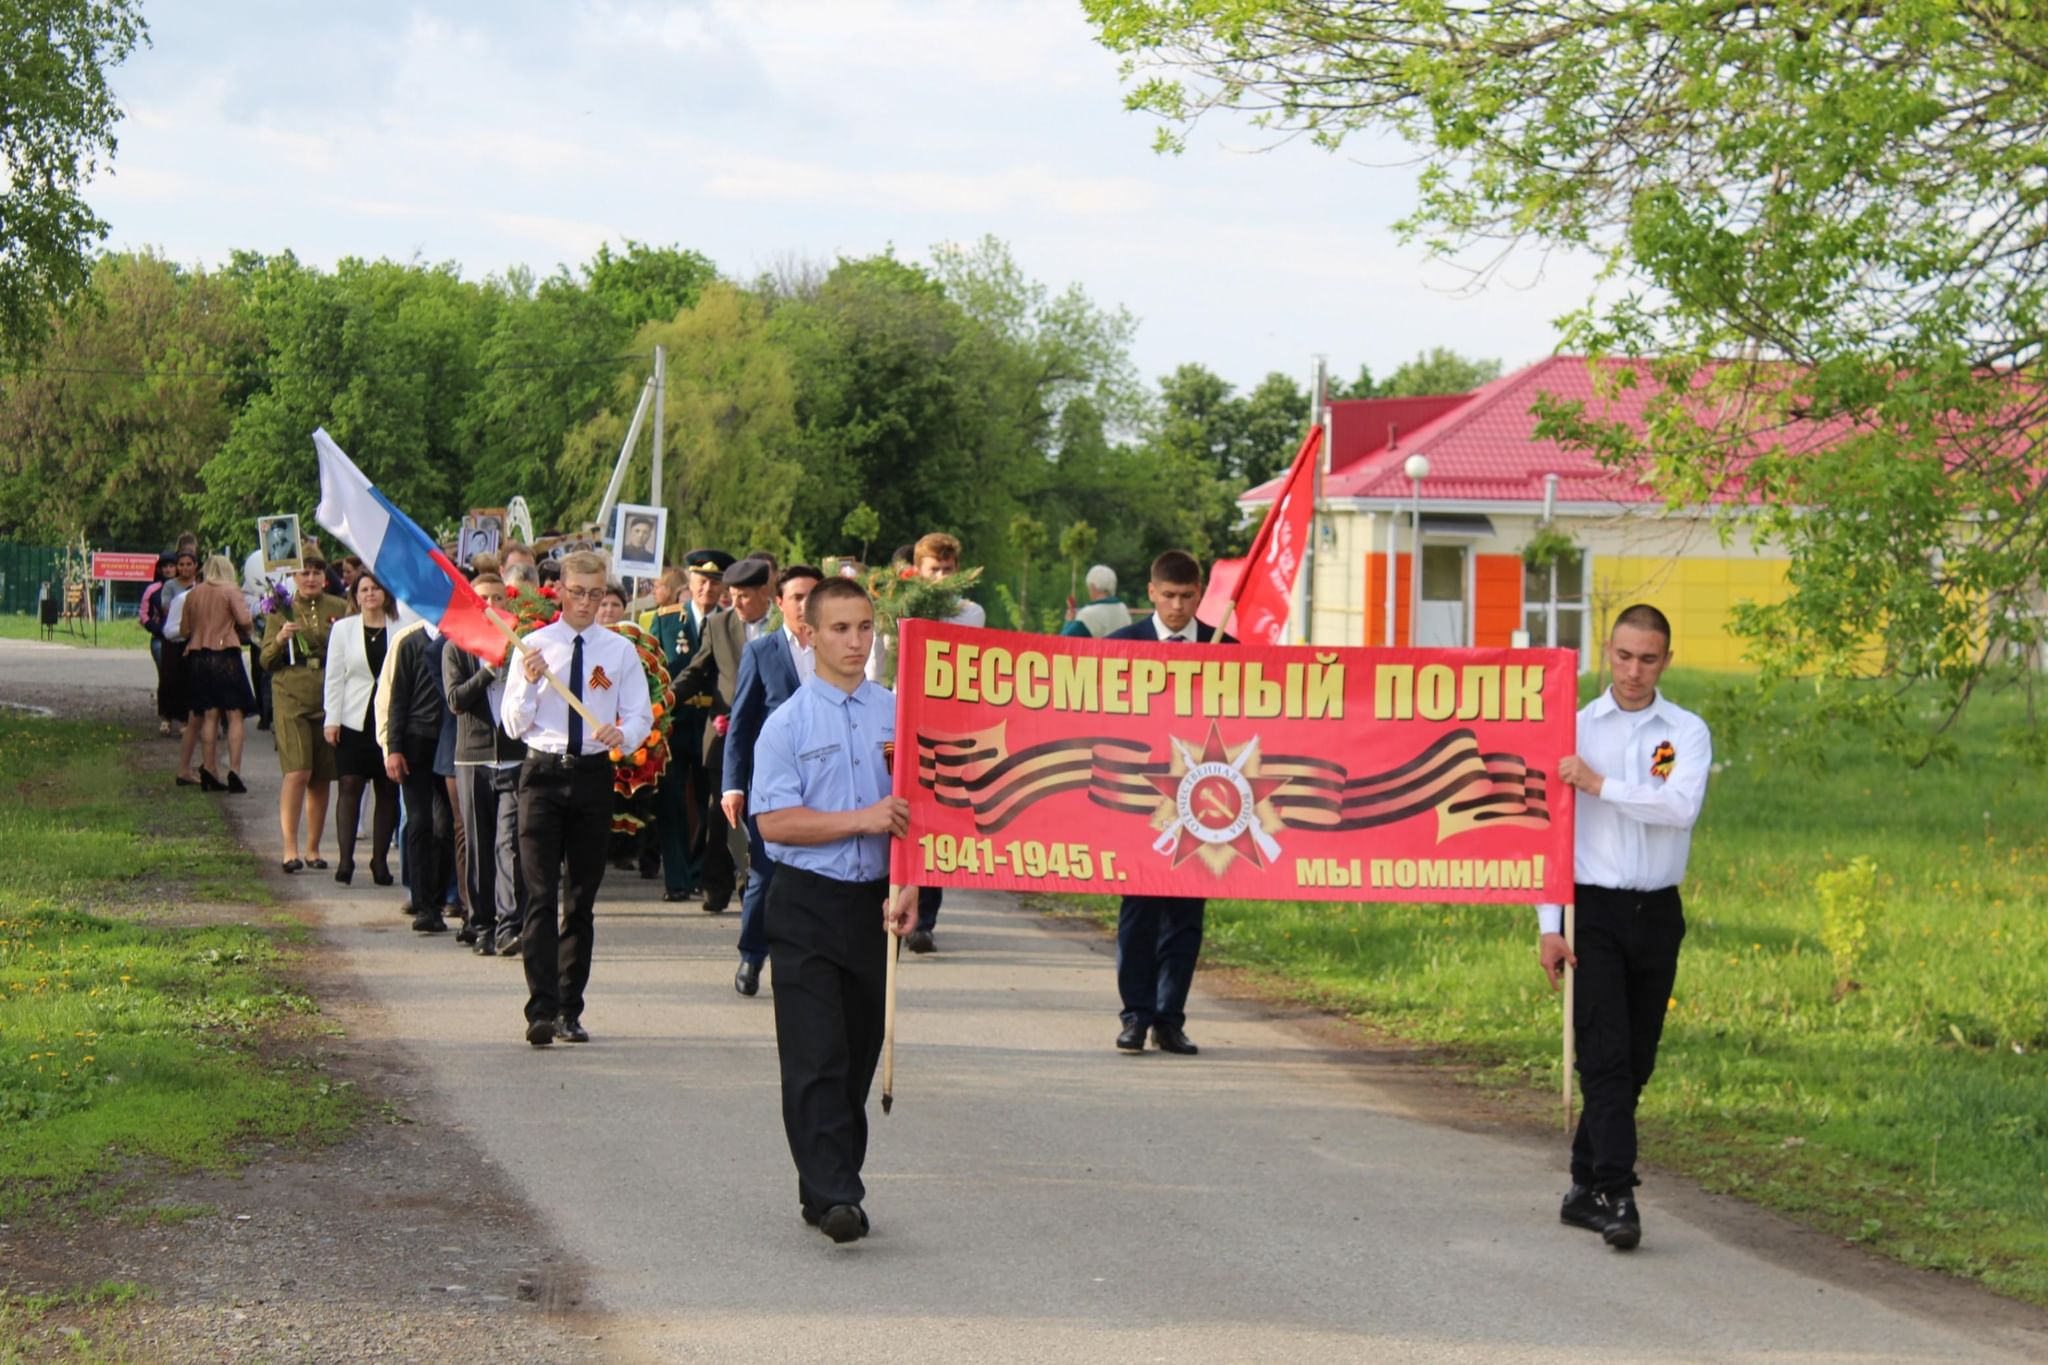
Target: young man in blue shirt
[821,798]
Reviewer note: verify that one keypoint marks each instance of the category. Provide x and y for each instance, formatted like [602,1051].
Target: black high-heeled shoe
[345,873]
[381,874]
[236,787]
[209,783]
[186,782]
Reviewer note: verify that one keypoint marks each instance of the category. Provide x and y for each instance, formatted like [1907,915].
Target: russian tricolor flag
[402,556]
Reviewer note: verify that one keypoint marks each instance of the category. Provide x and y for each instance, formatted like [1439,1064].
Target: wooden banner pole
[889,1014]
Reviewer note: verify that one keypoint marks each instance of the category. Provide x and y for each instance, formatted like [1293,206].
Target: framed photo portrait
[278,538]
[639,535]
[481,534]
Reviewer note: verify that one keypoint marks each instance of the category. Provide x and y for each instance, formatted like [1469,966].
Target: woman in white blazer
[355,656]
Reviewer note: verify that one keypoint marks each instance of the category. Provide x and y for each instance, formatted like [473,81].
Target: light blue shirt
[822,750]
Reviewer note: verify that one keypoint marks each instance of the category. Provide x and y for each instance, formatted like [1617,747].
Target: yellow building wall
[1697,592]
[1678,565]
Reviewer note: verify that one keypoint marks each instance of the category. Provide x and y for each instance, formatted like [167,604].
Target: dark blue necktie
[576,691]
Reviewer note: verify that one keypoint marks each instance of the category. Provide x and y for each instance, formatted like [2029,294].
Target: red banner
[121,567]
[1052,763]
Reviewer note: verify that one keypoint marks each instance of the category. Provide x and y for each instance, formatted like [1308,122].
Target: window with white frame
[1554,603]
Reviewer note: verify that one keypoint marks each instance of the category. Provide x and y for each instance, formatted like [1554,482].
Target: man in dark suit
[1158,938]
[772,668]
[715,671]
[677,625]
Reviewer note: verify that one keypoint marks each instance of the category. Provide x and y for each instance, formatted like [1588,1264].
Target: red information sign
[118,567]
[1233,772]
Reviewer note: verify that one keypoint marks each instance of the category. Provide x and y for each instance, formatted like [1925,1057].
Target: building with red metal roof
[1492,484]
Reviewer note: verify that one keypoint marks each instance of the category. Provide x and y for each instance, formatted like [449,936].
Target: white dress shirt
[1187,633]
[1637,833]
[754,630]
[535,713]
[803,656]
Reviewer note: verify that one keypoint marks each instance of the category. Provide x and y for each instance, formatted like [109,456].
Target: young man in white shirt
[1641,774]
[565,788]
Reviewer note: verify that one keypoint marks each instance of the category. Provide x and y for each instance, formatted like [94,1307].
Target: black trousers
[565,821]
[429,827]
[929,899]
[829,954]
[1627,946]
[1158,940]
[718,872]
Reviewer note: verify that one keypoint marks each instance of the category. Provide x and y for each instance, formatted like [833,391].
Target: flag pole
[575,702]
[1570,989]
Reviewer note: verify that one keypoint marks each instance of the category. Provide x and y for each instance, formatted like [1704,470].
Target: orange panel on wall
[1376,598]
[1497,615]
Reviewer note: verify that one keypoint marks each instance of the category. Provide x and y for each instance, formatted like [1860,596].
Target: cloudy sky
[756,131]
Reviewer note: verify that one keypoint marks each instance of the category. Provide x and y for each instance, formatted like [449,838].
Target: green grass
[112,634]
[26,1332]
[128,1043]
[1912,1115]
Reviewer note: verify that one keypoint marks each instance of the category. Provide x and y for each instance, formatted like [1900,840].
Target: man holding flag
[565,784]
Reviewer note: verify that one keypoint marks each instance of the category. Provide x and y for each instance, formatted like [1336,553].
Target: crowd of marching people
[496,775]
[400,735]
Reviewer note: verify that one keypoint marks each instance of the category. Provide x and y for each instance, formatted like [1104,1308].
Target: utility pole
[660,402]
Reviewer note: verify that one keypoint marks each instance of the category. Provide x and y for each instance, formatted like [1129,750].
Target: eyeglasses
[582,594]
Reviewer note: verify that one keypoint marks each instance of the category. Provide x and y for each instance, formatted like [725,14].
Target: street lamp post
[1417,469]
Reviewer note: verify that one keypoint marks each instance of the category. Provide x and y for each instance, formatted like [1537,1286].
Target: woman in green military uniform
[294,653]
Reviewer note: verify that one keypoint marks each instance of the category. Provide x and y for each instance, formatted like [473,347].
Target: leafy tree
[730,416]
[1077,542]
[382,355]
[57,117]
[1828,220]
[1027,539]
[1437,370]
[105,437]
[862,524]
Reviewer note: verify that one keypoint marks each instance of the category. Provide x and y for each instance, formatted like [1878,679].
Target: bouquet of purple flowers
[277,602]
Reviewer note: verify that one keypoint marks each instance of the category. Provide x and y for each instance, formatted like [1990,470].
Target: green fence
[23,571]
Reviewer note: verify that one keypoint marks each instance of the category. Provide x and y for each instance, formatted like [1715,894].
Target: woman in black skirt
[213,621]
[171,703]
[355,657]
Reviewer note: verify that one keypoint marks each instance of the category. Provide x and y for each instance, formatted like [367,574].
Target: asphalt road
[1037,1196]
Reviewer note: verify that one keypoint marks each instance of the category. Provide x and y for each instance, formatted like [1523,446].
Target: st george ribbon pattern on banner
[1234,772]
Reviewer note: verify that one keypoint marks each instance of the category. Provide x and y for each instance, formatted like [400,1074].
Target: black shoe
[209,783]
[236,787]
[541,1032]
[844,1223]
[486,948]
[263,724]
[571,1030]
[186,782]
[747,980]
[429,923]
[466,936]
[1132,1039]
[920,941]
[1581,1209]
[511,948]
[1621,1227]
[716,907]
[381,874]
[345,872]
[672,897]
[318,864]
[811,1215]
[289,864]
[1171,1039]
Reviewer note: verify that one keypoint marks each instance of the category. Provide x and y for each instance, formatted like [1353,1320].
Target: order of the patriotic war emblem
[1216,805]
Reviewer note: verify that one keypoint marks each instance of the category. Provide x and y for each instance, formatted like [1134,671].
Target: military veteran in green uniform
[686,598]
[294,655]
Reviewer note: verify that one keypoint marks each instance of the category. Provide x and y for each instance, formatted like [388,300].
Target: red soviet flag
[1265,592]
